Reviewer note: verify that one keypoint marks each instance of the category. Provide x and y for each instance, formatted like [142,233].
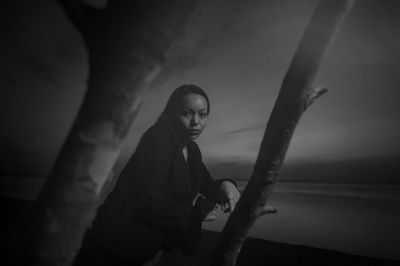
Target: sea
[360,219]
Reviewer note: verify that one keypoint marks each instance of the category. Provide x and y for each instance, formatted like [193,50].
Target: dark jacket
[151,204]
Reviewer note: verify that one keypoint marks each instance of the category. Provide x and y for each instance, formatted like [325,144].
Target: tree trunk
[127,43]
[295,96]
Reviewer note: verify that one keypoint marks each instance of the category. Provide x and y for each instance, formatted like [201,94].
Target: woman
[164,192]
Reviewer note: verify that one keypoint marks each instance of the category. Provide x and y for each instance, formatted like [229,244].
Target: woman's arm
[221,191]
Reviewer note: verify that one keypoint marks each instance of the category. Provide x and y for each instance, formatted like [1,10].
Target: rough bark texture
[295,96]
[127,43]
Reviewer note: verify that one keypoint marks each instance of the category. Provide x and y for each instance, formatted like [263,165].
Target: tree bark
[127,44]
[295,96]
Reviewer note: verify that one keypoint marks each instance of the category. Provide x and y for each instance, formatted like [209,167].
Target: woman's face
[193,115]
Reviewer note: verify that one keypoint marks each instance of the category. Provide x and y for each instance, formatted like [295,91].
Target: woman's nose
[195,120]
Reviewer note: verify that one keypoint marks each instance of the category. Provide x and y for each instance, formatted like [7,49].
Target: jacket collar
[177,139]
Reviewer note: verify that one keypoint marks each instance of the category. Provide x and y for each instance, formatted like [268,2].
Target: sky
[238,52]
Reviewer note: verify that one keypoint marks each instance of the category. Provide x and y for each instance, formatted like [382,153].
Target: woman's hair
[175,100]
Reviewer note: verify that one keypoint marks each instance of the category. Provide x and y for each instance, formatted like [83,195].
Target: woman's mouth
[194,132]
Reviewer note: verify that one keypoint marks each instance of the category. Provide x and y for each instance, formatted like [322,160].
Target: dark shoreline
[254,252]
[257,252]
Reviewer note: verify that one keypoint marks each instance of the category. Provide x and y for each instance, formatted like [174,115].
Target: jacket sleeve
[208,187]
[154,157]
[211,188]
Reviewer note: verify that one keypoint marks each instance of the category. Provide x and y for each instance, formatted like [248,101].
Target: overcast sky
[238,53]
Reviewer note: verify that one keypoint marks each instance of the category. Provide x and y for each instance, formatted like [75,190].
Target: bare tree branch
[127,47]
[314,94]
[295,96]
[80,14]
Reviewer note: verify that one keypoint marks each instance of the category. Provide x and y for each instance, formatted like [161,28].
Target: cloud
[245,129]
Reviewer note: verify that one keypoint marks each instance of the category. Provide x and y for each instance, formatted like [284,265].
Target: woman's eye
[186,113]
[203,115]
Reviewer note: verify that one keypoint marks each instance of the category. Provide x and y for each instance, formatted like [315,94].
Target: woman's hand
[207,208]
[229,196]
